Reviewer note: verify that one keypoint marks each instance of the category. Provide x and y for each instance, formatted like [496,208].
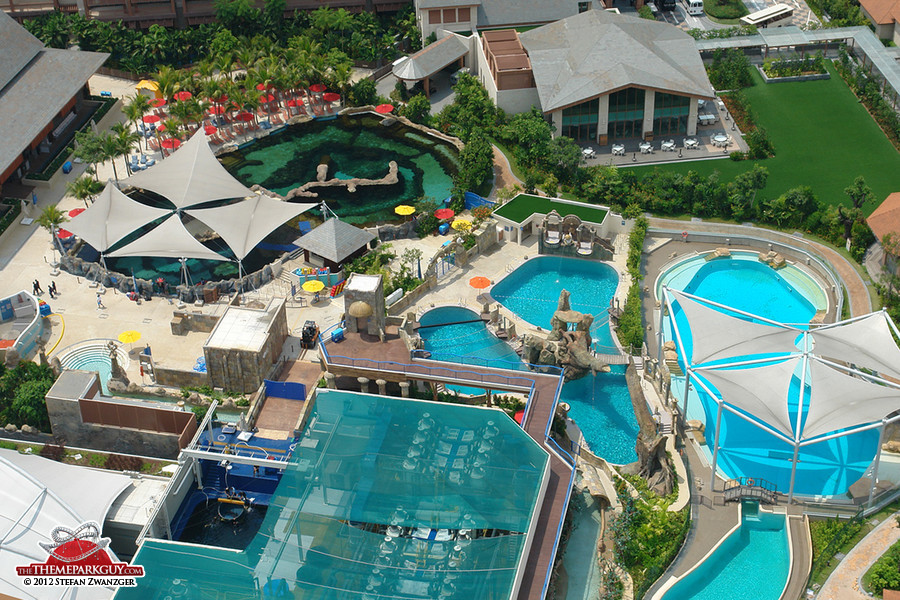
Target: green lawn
[524,205]
[823,138]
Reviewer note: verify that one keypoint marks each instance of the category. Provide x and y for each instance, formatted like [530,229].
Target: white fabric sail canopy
[717,336]
[761,391]
[244,224]
[192,175]
[111,217]
[169,240]
[839,401]
[866,342]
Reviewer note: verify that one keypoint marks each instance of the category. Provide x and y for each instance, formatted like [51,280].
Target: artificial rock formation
[565,347]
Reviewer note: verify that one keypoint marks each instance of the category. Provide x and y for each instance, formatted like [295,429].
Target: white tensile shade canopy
[835,399]
[244,224]
[744,337]
[169,240]
[192,175]
[866,341]
[111,217]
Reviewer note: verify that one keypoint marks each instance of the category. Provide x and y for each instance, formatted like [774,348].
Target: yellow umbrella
[129,337]
[461,225]
[405,210]
[313,286]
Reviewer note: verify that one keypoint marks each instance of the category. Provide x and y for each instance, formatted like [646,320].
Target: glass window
[670,114]
[580,122]
[583,7]
[434,17]
[626,113]
[449,15]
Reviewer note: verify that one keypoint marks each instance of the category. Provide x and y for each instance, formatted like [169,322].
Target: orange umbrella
[479,283]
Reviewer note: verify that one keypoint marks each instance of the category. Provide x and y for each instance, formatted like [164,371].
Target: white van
[693,7]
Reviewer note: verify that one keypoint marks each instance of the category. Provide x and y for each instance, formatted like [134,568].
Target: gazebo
[804,387]
[333,243]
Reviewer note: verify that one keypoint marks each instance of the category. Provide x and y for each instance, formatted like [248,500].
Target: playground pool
[353,146]
[94,357]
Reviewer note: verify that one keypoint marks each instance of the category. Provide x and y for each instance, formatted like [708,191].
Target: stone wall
[178,378]
[65,420]
[184,322]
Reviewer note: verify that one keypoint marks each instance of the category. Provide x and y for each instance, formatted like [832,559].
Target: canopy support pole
[712,478]
[240,277]
[875,466]
[687,388]
[793,471]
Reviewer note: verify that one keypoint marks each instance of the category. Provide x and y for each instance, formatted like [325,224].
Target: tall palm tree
[110,152]
[125,140]
[137,108]
[84,188]
[167,80]
[50,219]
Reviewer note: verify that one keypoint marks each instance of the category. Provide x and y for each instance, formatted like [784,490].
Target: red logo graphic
[78,553]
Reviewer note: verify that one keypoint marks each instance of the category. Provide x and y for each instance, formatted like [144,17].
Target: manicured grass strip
[823,138]
[523,206]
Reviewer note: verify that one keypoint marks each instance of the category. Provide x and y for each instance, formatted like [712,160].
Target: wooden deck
[366,356]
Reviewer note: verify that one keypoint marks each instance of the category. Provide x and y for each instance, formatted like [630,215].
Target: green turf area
[524,205]
[823,138]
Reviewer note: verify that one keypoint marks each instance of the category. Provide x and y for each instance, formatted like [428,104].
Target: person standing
[99,302]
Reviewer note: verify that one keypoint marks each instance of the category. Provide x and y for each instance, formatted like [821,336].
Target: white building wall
[649,100]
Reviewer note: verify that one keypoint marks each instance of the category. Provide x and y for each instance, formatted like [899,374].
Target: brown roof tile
[884,12]
[886,218]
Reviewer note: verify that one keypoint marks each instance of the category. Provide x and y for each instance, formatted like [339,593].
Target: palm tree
[84,188]
[137,108]
[110,152]
[125,139]
[167,79]
[342,21]
[50,219]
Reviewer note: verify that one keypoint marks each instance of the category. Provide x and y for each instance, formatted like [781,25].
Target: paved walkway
[843,583]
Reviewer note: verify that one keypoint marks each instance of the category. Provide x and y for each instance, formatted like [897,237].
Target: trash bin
[67,167]
[337,335]
[444,228]
[45,309]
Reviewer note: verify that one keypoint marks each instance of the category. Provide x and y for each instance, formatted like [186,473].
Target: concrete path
[844,581]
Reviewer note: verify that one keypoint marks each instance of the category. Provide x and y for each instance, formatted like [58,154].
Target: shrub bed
[725,9]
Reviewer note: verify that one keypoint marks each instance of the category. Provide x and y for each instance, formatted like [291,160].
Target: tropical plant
[84,188]
[50,219]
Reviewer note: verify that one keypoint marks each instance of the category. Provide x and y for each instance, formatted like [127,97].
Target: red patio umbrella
[157,102]
[183,95]
[63,234]
[210,129]
[266,98]
[75,212]
[317,88]
[216,110]
[161,128]
[331,97]
[151,119]
[519,416]
[293,102]
[444,213]
[244,116]
[170,143]
[220,100]
[384,108]
[260,86]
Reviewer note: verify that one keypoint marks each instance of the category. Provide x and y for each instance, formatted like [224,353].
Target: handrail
[472,360]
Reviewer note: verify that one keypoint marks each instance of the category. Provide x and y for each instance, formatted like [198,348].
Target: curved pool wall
[580,558]
[532,291]
[827,468]
[94,356]
[353,146]
[752,562]
[789,294]
[458,335]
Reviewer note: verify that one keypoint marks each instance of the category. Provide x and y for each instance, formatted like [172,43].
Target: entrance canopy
[191,176]
[431,59]
[111,217]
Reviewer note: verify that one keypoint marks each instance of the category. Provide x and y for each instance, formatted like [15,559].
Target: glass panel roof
[383,498]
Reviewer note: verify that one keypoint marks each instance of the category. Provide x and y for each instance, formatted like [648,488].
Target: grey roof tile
[335,240]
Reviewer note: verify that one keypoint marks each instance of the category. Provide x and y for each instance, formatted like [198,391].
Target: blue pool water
[753,563]
[532,292]
[601,407]
[455,334]
[827,468]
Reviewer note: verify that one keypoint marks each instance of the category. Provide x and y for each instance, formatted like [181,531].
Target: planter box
[768,79]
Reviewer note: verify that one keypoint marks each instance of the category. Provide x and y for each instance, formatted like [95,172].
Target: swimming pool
[353,146]
[789,295]
[752,563]
[532,292]
[458,335]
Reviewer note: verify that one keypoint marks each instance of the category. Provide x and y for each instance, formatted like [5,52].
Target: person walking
[38,291]
[50,290]
[54,293]
[99,302]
